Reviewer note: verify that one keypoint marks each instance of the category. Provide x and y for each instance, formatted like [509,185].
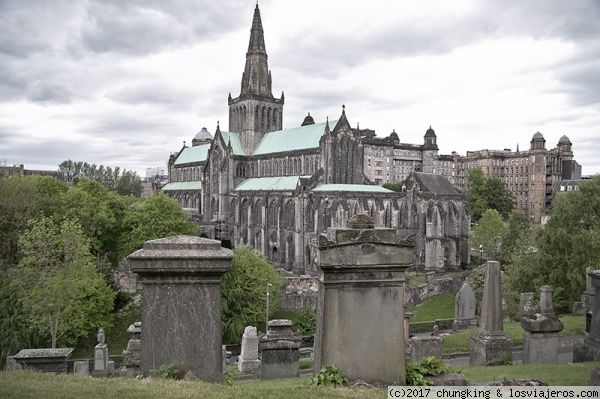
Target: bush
[429,366]
[173,371]
[329,376]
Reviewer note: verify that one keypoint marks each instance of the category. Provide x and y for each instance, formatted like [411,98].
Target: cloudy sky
[124,83]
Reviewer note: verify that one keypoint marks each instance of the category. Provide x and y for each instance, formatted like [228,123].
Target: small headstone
[248,359]
[526,305]
[81,367]
[588,295]
[541,338]
[578,309]
[133,353]
[546,306]
[12,364]
[422,347]
[435,330]
[464,307]
[429,277]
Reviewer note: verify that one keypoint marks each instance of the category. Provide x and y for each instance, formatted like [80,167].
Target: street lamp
[267,325]
[481,252]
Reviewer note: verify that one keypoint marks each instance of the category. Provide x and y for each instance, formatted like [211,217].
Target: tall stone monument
[181,308]
[489,345]
[589,349]
[248,359]
[361,304]
[465,305]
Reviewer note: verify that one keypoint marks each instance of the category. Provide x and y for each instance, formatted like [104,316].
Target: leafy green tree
[129,184]
[125,183]
[60,290]
[15,331]
[488,193]
[158,216]
[393,186]
[570,242]
[243,292]
[100,212]
[490,233]
[519,229]
[21,199]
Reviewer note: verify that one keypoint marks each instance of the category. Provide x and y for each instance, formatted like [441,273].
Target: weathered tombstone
[489,345]
[181,309]
[588,295]
[44,360]
[429,277]
[362,297]
[407,316]
[526,305]
[12,365]
[100,357]
[81,367]
[248,359]
[541,338]
[546,306]
[133,353]
[464,307]
[589,349]
[422,347]
[279,350]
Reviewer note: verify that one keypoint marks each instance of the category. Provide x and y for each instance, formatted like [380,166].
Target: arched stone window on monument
[290,215]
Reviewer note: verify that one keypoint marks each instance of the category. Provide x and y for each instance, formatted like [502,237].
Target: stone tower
[255,112]
[430,151]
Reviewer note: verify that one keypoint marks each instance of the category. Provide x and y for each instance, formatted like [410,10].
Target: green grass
[438,307]
[459,342]
[37,385]
[552,374]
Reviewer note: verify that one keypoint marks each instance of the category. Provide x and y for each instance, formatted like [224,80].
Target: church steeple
[256,79]
[255,112]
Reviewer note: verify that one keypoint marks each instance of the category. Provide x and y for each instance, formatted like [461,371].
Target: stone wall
[298,292]
[437,286]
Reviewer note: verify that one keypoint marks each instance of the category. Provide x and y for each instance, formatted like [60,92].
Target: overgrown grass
[438,307]
[36,385]
[552,374]
[459,342]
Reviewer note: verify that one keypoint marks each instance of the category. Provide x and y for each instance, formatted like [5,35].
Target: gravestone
[422,347]
[248,359]
[279,349]
[589,349]
[100,357]
[44,360]
[588,295]
[361,303]
[12,365]
[546,306]
[407,316]
[133,353]
[540,344]
[81,367]
[464,307]
[526,305]
[181,308]
[489,345]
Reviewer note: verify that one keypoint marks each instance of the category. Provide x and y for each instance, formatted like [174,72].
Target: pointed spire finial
[343,109]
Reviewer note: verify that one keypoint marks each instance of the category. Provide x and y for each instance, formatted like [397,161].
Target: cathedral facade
[274,189]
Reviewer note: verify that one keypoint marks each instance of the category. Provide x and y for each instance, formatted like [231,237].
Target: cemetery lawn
[459,342]
[438,307]
[37,385]
[552,374]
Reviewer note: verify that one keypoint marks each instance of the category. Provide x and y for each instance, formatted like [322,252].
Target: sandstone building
[274,189]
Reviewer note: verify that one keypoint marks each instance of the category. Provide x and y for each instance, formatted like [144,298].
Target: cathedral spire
[256,79]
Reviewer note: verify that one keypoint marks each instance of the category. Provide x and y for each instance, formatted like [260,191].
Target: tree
[127,183]
[21,199]
[158,216]
[570,242]
[60,290]
[490,233]
[243,292]
[519,229]
[488,193]
[393,186]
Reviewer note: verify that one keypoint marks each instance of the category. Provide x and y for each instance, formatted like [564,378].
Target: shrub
[173,371]
[429,366]
[329,376]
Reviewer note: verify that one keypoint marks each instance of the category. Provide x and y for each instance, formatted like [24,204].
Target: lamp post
[481,252]
[267,325]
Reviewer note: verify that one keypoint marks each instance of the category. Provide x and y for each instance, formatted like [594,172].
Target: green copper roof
[236,143]
[193,154]
[352,187]
[270,183]
[183,185]
[298,138]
